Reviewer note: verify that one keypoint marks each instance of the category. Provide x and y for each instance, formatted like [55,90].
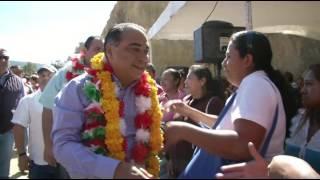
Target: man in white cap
[29,115]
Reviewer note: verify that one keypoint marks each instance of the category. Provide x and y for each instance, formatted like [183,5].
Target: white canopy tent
[180,18]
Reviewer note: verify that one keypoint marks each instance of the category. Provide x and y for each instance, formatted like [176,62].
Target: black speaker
[211,41]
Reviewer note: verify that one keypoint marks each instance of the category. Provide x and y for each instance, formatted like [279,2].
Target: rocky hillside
[144,13]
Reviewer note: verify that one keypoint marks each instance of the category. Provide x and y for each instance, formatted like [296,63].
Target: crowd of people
[104,115]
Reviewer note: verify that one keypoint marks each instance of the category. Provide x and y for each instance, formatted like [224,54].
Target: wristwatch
[22,154]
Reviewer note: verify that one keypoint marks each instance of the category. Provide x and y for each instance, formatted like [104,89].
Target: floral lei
[77,67]
[104,128]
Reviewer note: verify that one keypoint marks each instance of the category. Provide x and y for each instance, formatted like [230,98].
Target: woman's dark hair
[311,114]
[315,69]
[258,45]
[213,87]
[89,40]
[289,76]
[175,74]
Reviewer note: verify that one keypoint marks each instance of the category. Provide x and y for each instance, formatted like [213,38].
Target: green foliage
[29,68]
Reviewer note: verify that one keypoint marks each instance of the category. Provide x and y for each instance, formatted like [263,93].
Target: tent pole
[248,9]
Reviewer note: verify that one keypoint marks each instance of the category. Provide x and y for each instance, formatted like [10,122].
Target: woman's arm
[197,116]
[229,144]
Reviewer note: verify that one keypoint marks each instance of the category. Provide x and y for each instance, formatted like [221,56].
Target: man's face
[4,58]
[129,58]
[44,77]
[96,46]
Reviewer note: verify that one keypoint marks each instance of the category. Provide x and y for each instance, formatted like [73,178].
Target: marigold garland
[107,110]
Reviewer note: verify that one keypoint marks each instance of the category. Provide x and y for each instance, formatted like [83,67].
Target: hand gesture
[177,106]
[258,168]
[129,171]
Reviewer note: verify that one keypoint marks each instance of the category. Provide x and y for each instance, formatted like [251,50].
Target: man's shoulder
[12,81]
[81,78]
[11,75]
[67,67]
[61,73]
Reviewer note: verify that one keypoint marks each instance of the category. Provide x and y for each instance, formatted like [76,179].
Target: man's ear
[83,50]
[108,50]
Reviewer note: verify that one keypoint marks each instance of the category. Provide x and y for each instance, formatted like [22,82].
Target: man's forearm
[19,138]
[47,126]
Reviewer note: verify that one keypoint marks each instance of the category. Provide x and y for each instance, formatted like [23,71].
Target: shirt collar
[256,73]
[4,74]
[117,81]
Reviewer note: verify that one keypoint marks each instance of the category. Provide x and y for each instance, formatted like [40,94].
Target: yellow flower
[153,165]
[97,61]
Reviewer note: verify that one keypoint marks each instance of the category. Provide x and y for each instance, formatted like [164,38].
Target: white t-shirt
[299,134]
[256,101]
[29,114]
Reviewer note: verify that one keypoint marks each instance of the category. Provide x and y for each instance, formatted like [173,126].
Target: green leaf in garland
[100,118]
[91,92]
[99,133]
[101,151]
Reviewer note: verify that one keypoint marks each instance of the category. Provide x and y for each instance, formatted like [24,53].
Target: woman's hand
[178,107]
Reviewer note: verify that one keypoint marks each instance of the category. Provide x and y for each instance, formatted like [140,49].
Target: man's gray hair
[114,34]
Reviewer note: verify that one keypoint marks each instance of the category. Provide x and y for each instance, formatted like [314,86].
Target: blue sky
[46,31]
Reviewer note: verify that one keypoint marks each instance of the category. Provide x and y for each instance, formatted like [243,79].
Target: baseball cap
[48,68]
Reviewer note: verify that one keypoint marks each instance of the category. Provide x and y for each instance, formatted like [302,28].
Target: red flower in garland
[143,121]
[142,87]
[69,75]
[91,125]
[76,64]
[96,142]
[107,67]
[95,110]
[92,72]
[139,153]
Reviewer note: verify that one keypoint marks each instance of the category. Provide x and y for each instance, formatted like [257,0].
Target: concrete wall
[290,53]
[294,53]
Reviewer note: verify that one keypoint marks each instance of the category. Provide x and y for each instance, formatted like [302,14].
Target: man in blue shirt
[127,52]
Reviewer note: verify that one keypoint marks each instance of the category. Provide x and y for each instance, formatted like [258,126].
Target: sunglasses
[4,57]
